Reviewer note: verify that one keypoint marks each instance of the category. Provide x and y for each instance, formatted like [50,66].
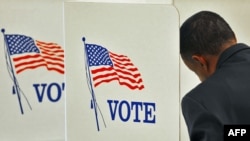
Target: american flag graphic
[27,53]
[107,66]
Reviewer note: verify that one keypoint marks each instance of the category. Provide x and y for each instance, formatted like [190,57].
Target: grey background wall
[236,13]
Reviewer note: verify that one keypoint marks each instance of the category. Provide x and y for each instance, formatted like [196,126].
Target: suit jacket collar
[230,52]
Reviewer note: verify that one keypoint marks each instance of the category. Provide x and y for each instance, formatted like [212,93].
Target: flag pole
[93,101]
[13,73]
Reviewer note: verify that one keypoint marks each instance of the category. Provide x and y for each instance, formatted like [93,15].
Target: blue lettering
[39,93]
[59,92]
[112,111]
[136,105]
[53,87]
[128,111]
[125,109]
[149,117]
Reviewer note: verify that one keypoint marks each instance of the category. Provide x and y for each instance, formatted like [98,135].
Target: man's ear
[201,61]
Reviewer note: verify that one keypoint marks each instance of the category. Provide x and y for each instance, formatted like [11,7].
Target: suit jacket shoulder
[221,99]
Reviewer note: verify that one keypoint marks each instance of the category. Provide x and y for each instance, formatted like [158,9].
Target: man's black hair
[204,33]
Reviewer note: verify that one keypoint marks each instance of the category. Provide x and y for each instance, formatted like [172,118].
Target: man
[209,48]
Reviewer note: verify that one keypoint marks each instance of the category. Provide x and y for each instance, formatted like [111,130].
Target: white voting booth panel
[31,88]
[122,72]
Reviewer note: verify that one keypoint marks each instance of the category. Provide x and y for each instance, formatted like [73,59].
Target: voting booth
[73,71]
[32,93]
[122,78]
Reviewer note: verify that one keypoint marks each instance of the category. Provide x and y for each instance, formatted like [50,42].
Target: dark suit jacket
[224,98]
